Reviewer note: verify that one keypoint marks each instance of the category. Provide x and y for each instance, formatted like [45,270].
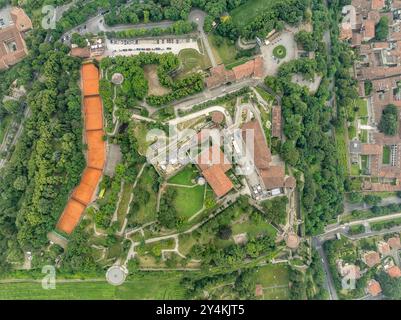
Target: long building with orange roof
[84,193]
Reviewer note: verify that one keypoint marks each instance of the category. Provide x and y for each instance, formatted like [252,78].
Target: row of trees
[135,86]
[307,125]
[273,17]
[47,162]
[179,27]
[146,11]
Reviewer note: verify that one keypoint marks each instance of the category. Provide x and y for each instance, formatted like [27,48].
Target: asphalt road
[329,283]
[198,16]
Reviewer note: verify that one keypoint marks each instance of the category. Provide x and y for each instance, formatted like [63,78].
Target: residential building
[13,25]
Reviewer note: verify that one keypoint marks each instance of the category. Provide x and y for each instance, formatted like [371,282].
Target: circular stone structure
[292,241]
[117,78]
[116,275]
[280,52]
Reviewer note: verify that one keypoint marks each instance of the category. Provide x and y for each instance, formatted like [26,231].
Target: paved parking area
[135,46]
[271,63]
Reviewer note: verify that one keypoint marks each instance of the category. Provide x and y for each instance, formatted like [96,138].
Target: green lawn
[265,95]
[354,170]
[225,52]
[192,61]
[189,200]
[253,229]
[140,133]
[280,52]
[342,148]
[363,136]
[4,123]
[123,207]
[386,154]
[247,12]
[147,212]
[275,280]
[365,161]
[185,176]
[351,132]
[363,108]
[152,285]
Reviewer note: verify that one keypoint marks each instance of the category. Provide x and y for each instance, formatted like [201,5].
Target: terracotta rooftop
[21,19]
[273,177]
[213,157]
[383,248]
[217,117]
[245,70]
[394,243]
[262,154]
[276,122]
[371,259]
[220,75]
[394,272]
[345,31]
[218,180]
[377,4]
[81,52]
[259,66]
[371,149]
[369,29]
[374,288]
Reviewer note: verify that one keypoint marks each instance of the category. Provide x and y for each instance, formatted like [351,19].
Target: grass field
[140,133]
[244,14]
[355,170]
[224,53]
[147,212]
[142,286]
[365,163]
[363,136]
[192,61]
[253,229]
[189,200]
[275,280]
[363,108]
[185,176]
[342,147]
[386,154]
[123,206]
[3,127]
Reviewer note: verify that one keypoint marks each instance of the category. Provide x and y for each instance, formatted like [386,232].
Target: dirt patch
[240,238]
[155,88]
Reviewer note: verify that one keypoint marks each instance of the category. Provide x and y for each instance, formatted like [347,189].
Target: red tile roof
[371,149]
[213,157]
[273,177]
[276,123]
[371,259]
[369,31]
[217,117]
[80,52]
[21,19]
[383,248]
[394,272]
[374,288]
[10,37]
[244,70]
[377,4]
[262,154]
[218,180]
[258,72]
[394,243]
